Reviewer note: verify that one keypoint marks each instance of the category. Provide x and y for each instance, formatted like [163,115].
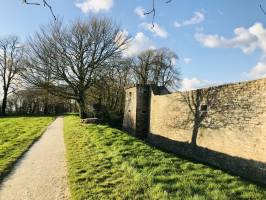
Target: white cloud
[194,83]
[197,18]
[140,12]
[156,29]
[94,6]
[138,44]
[248,40]
[187,60]
[258,71]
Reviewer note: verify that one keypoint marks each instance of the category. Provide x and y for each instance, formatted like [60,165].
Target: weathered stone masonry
[232,135]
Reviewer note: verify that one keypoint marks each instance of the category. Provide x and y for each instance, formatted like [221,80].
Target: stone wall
[240,130]
[137,110]
[231,135]
[129,121]
[143,110]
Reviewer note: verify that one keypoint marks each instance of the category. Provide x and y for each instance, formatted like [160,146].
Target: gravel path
[41,174]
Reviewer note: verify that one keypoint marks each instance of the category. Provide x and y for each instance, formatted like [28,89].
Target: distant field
[106,163]
[16,136]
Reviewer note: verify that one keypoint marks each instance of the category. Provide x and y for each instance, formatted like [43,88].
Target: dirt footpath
[41,174]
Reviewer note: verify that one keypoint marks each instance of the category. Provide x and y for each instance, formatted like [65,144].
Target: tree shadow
[250,170]
[215,108]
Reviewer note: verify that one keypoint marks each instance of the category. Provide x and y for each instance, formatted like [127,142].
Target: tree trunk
[45,109]
[195,133]
[197,118]
[82,110]
[4,102]
[196,126]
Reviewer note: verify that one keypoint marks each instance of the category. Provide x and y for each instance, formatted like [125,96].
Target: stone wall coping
[243,83]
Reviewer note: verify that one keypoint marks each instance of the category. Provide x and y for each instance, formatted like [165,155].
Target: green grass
[16,135]
[106,163]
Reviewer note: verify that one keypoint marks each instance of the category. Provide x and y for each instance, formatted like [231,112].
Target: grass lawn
[16,136]
[106,163]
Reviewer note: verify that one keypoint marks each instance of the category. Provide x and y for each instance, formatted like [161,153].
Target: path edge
[12,165]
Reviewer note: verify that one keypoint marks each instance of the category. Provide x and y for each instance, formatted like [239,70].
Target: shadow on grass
[250,170]
[106,163]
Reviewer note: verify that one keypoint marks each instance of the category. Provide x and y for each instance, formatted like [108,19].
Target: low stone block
[91,121]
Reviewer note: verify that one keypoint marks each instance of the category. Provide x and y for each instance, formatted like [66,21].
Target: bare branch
[31,3]
[45,4]
[262,9]
[169,1]
[50,7]
[153,10]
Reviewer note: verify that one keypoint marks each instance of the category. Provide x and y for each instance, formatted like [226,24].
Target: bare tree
[165,72]
[142,67]
[114,78]
[67,60]
[156,67]
[11,53]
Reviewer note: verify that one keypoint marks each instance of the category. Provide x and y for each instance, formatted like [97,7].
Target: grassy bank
[106,163]
[16,136]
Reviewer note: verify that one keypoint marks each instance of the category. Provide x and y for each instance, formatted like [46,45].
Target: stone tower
[137,110]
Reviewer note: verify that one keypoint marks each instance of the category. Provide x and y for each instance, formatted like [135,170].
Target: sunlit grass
[106,163]
[16,136]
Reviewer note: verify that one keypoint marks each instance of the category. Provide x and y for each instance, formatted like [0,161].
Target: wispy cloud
[138,44]
[94,6]
[247,39]
[156,29]
[258,71]
[197,18]
[195,83]
[140,12]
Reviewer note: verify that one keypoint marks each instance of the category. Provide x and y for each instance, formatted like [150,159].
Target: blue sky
[216,41]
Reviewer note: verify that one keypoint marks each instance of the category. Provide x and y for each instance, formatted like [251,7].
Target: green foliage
[17,134]
[106,163]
